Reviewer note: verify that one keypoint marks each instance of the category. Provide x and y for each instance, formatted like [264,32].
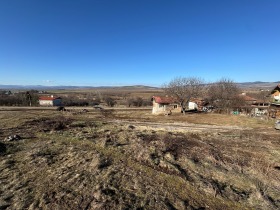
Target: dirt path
[40,108]
[181,127]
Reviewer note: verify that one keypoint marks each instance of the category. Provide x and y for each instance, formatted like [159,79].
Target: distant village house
[163,105]
[275,95]
[49,101]
[275,102]
[247,99]
[166,105]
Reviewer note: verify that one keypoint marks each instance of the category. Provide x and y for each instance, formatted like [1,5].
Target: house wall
[174,108]
[46,102]
[164,108]
[158,108]
[57,102]
[277,96]
[192,106]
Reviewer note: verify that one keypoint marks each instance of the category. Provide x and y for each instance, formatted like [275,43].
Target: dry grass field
[130,159]
[115,92]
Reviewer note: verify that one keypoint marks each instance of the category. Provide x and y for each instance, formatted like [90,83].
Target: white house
[163,105]
[49,101]
[192,106]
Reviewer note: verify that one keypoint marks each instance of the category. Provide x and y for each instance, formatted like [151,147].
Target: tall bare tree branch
[184,88]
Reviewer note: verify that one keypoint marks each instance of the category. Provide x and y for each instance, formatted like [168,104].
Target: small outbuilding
[168,105]
[50,101]
[162,105]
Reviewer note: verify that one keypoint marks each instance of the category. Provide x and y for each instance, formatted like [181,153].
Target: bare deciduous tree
[99,94]
[138,102]
[184,88]
[28,98]
[263,96]
[223,94]
[129,102]
[110,101]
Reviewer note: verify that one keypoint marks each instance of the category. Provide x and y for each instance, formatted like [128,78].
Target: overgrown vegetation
[183,89]
[223,95]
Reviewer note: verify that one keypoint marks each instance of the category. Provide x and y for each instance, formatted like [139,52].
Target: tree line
[31,98]
[26,98]
[223,94]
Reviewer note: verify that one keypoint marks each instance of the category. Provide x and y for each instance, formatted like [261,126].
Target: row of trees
[28,98]
[223,94]
[129,102]
[108,100]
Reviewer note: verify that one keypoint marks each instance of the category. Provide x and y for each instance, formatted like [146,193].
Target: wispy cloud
[47,81]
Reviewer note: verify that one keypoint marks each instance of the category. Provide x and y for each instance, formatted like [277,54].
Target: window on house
[161,105]
[175,106]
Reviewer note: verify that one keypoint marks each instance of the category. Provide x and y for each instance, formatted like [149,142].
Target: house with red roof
[49,101]
[247,99]
[275,95]
[165,105]
[168,105]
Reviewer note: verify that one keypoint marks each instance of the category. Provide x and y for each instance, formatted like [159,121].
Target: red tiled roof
[164,100]
[276,88]
[198,101]
[48,98]
[248,98]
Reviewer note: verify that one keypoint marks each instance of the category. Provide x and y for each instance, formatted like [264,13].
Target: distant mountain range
[42,87]
[258,85]
[243,85]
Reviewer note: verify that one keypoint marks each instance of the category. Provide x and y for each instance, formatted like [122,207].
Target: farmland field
[130,159]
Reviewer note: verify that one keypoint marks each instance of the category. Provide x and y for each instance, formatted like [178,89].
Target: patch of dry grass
[88,162]
[196,118]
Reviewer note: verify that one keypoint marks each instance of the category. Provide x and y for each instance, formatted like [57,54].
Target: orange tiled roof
[164,100]
[247,98]
[48,98]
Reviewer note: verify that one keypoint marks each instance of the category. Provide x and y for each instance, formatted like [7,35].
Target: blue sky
[129,42]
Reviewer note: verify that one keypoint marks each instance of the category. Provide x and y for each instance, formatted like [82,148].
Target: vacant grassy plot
[119,159]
